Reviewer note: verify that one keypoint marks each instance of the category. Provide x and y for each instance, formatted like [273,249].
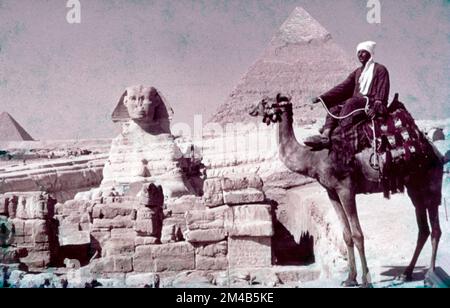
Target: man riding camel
[371,80]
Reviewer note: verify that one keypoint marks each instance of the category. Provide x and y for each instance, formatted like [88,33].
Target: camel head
[271,109]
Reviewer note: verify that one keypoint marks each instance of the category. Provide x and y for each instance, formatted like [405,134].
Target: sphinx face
[140,102]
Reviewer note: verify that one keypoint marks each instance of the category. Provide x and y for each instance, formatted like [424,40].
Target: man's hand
[377,109]
[283,98]
[316,100]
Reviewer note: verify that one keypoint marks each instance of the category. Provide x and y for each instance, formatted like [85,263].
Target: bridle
[272,112]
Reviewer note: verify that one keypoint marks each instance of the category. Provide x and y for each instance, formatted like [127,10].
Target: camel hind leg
[436,234]
[424,234]
[426,196]
[433,196]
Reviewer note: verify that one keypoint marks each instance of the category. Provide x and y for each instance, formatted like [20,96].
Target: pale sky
[62,81]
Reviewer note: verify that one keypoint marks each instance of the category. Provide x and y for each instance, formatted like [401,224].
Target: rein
[366,109]
[376,160]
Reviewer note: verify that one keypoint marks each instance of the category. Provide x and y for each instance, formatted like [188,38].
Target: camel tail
[447,158]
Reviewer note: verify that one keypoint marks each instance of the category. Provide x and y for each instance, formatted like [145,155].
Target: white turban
[367,46]
[365,81]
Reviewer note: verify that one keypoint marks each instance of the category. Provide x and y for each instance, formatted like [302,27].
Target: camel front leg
[348,199]
[339,209]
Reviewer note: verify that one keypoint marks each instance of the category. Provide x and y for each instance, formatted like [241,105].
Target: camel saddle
[392,143]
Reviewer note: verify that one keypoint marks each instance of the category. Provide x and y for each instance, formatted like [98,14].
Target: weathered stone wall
[32,226]
[63,178]
[139,234]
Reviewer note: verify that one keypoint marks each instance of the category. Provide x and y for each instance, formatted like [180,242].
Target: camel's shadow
[392,272]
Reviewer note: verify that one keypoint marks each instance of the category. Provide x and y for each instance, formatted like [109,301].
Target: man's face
[139,104]
[364,56]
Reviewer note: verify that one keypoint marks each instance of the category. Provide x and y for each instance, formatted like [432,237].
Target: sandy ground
[390,231]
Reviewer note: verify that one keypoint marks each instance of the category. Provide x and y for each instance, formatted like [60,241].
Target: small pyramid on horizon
[301,60]
[10,130]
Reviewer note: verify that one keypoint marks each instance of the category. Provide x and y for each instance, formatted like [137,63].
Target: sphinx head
[141,103]
[144,106]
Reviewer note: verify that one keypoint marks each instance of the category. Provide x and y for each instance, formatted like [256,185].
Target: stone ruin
[29,229]
[230,227]
[147,219]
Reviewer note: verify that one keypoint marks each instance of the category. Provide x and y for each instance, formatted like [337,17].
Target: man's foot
[318,142]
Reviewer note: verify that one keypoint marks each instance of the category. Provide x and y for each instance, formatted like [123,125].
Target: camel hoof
[350,283]
[367,286]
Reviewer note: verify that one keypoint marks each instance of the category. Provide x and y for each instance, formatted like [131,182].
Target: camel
[424,190]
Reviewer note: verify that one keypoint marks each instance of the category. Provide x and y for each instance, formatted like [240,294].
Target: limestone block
[119,247]
[75,207]
[40,231]
[180,225]
[108,224]
[29,205]
[241,183]
[184,204]
[3,205]
[111,211]
[72,219]
[18,226]
[29,226]
[11,204]
[208,219]
[206,236]
[212,250]
[250,220]
[248,252]
[68,237]
[245,196]
[148,227]
[213,193]
[66,226]
[169,233]
[212,256]
[142,261]
[147,213]
[146,240]
[123,234]
[18,240]
[211,264]
[166,257]
[123,264]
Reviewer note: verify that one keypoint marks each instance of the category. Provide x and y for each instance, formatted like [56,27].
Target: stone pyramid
[10,130]
[301,60]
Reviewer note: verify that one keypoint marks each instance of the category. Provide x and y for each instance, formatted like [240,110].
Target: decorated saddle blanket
[399,144]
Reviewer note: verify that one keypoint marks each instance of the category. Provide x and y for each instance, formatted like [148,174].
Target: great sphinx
[145,151]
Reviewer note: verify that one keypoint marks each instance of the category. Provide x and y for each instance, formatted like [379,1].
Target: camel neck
[296,157]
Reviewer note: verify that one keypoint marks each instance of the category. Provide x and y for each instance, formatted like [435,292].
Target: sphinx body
[145,151]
